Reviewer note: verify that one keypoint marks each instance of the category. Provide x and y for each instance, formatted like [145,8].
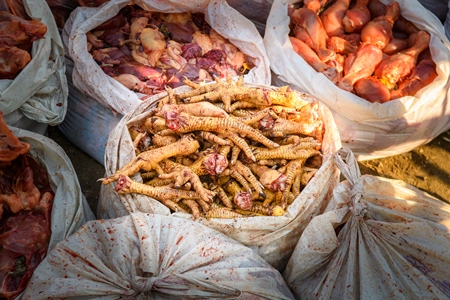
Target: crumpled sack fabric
[147,256]
[39,93]
[378,238]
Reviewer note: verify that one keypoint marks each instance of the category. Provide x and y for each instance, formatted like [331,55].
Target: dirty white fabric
[91,80]
[378,239]
[39,92]
[371,130]
[87,123]
[145,256]
[273,238]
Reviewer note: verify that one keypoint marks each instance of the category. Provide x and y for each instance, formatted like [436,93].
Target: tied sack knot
[359,209]
[143,284]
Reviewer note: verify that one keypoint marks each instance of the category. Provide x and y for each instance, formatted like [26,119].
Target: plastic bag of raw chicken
[273,238]
[92,80]
[37,96]
[68,213]
[371,130]
[377,237]
[70,208]
[145,256]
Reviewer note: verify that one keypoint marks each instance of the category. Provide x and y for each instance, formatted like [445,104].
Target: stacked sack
[36,96]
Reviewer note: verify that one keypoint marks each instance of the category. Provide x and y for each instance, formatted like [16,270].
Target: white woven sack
[393,242]
[370,130]
[144,256]
[90,78]
[70,209]
[39,92]
[273,238]
[87,123]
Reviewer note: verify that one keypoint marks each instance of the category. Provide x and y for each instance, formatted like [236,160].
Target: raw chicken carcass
[11,34]
[33,28]
[301,33]
[154,44]
[16,8]
[357,17]
[395,45]
[308,20]
[372,90]
[398,66]
[332,17]
[379,30]
[377,9]
[353,38]
[10,146]
[366,59]
[315,5]
[12,61]
[25,195]
[313,60]
[340,45]
[423,74]
[24,239]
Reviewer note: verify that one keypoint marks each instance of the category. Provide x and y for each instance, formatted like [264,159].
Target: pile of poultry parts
[146,51]
[225,150]
[364,47]
[17,34]
[25,206]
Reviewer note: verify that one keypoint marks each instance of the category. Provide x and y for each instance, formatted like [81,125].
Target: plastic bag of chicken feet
[273,238]
[378,238]
[145,256]
[371,130]
[90,78]
[37,96]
